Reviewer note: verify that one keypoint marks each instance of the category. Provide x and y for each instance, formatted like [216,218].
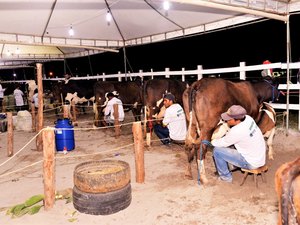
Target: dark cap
[234,112]
[110,94]
[169,96]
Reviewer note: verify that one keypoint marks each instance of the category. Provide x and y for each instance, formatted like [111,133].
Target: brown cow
[287,184]
[153,95]
[204,101]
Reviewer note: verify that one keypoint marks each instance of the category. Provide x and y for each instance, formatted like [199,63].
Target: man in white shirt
[35,99]
[173,127]
[1,97]
[248,140]
[19,98]
[109,109]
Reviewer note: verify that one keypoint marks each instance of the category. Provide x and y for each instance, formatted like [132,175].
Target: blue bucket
[64,135]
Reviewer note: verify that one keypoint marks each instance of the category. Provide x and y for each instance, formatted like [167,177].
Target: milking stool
[261,170]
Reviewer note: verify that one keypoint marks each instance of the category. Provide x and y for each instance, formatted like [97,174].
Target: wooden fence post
[49,167]
[39,138]
[10,135]
[33,117]
[65,111]
[74,118]
[116,121]
[138,151]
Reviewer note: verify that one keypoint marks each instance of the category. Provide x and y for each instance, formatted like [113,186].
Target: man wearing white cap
[248,140]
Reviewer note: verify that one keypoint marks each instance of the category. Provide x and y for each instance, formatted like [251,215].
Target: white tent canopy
[39,29]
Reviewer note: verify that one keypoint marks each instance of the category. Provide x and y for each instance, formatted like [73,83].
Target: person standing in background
[35,99]
[267,72]
[19,98]
[1,97]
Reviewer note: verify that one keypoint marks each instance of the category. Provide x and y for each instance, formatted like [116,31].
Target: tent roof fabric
[38,29]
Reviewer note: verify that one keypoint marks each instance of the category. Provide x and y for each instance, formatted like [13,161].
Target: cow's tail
[287,194]
[190,139]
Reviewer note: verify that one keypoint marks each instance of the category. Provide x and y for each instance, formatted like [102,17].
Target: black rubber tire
[102,203]
[101,176]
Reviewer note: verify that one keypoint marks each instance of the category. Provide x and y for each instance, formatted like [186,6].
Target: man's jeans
[162,133]
[222,156]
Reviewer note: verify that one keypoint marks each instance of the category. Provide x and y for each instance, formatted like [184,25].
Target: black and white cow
[79,91]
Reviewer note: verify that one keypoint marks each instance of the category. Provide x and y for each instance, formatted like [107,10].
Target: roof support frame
[276,16]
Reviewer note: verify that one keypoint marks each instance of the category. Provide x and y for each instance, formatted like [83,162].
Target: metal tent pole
[287,72]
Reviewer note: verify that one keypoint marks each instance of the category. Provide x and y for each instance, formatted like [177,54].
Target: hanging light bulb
[166,6]
[8,53]
[71,31]
[108,18]
[18,51]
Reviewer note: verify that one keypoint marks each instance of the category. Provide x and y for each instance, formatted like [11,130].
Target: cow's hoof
[203,180]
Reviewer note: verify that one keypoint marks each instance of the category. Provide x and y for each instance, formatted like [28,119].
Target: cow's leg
[188,172]
[136,111]
[201,171]
[96,114]
[270,143]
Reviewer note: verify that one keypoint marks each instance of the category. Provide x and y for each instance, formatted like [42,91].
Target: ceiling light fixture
[166,6]
[8,53]
[18,51]
[71,31]
[108,18]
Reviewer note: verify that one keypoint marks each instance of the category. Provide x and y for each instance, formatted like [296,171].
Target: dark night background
[251,43]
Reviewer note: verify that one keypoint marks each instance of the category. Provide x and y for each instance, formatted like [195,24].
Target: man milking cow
[109,116]
[173,126]
[243,134]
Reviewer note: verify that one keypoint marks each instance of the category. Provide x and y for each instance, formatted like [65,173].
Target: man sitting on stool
[109,109]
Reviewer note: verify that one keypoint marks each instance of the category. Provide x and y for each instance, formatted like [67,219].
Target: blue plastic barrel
[64,135]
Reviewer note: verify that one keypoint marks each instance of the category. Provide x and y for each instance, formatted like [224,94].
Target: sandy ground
[165,197]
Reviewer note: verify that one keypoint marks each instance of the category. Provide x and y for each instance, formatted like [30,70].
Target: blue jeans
[223,156]
[162,133]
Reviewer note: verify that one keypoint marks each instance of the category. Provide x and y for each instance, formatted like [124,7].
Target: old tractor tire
[101,176]
[102,203]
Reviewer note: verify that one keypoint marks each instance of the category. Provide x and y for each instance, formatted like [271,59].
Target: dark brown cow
[130,93]
[153,95]
[204,101]
[266,89]
[287,184]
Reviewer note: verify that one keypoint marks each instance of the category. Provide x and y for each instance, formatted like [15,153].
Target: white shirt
[109,109]
[2,91]
[19,97]
[175,120]
[248,141]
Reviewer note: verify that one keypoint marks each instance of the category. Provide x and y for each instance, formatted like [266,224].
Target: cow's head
[57,91]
